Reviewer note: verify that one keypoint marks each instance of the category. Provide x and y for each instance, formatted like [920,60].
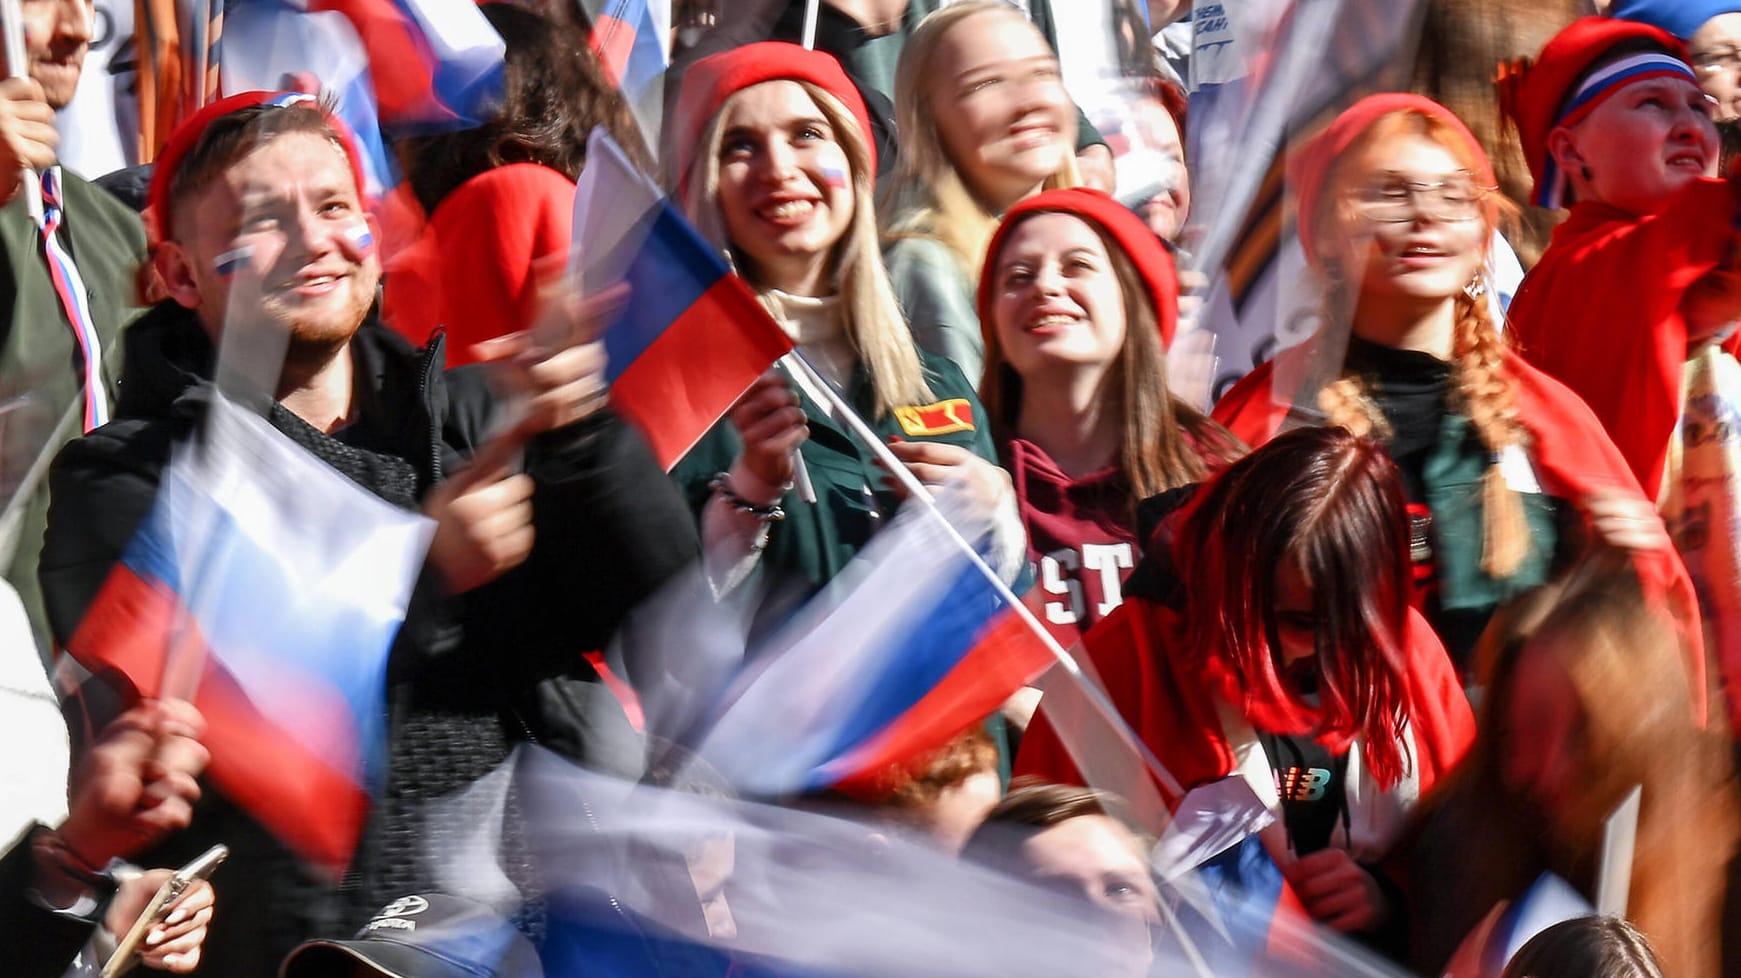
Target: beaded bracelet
[771,513]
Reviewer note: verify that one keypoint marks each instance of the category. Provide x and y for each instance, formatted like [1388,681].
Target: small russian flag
[693,337]
[910,646]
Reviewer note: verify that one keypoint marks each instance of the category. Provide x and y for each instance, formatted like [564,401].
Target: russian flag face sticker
[232,261]
[360,236]
[831,160]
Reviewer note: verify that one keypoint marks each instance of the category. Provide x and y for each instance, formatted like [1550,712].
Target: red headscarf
[1312,164]
[717,77]
[1139,244]
[189,132]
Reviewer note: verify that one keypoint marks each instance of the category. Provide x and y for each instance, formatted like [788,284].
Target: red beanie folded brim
[1145,251]
[1534,93]
[717,77]
[186,135]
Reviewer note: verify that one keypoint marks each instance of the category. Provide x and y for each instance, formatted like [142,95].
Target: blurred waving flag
[405,67]
[278,599]
[906,648]
[1272,71]
[632,39]
[693,337]
[1257,910]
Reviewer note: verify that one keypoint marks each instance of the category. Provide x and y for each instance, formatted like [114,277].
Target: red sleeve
[496,231]
[1136,651]
[1601,311]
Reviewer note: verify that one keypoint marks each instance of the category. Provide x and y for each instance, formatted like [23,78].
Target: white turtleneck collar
[817,325]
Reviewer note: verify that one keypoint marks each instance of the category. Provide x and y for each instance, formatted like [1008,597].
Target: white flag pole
[1619,841]
[809,24]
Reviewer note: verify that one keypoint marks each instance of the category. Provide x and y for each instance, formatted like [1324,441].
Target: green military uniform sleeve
[854,496]
[41,385]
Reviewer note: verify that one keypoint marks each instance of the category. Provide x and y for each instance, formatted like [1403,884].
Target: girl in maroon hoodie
[1078,301]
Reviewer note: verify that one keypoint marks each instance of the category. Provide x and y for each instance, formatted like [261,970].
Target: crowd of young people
[1410,580]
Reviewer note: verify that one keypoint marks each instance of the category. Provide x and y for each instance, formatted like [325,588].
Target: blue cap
[1679,17]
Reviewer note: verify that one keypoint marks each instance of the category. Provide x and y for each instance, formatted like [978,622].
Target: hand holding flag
[936,465]
[772,426]
[138,783]
[1338,891]
[483,517]
[695,338]
[28,139]
[555,372]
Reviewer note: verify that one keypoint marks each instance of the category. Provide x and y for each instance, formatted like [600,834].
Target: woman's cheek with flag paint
[831,161]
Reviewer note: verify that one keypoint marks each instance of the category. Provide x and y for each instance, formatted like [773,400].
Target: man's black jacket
[468,675]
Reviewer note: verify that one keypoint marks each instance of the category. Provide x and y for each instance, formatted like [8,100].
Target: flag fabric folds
[632,39]
[272,45]
[692,337]
[1249,919]
[908,647]
[436,64]
[278,597]
[403,67]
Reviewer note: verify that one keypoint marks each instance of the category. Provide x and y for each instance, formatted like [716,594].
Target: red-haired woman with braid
[1506,471]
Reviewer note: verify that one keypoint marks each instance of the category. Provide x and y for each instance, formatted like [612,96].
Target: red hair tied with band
[1145,251]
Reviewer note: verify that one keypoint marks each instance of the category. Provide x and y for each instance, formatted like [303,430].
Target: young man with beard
[262,229]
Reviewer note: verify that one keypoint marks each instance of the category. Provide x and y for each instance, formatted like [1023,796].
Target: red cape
[1573,457]
[1601,312]
[1170,703]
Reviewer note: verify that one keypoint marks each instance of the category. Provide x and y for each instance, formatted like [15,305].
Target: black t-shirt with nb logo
[1310,783]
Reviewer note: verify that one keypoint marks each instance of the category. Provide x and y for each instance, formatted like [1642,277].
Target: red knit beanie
[160,220]
[1558,88]
[717,77]
[1312,165]
[1145,251]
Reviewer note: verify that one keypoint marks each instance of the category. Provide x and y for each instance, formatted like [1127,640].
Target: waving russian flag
[279,597]
[693,337]
[408,67]
[909,646]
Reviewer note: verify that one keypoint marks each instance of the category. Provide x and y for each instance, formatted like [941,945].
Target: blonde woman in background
[984,122]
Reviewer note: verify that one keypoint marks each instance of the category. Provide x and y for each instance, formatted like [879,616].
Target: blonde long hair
[930,199]
[874,323]
[1484,389]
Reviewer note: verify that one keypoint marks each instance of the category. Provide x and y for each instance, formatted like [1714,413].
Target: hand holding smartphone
[127,952]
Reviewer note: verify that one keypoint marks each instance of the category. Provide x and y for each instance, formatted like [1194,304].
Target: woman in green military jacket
[776,166]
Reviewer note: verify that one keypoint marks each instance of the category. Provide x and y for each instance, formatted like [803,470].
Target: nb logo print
[1303,784]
